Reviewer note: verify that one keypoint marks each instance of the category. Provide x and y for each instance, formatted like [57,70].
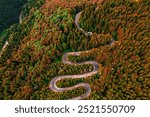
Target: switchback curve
[65,60]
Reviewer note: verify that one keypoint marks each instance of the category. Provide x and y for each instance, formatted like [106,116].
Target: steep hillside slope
[33,57]
[9,12]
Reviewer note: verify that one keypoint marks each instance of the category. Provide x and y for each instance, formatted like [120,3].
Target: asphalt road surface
[95,65]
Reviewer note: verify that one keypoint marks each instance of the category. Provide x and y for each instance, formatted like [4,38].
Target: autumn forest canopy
[34,54]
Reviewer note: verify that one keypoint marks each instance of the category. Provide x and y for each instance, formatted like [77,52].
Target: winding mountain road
[5,45]
[20,16]
[65,60]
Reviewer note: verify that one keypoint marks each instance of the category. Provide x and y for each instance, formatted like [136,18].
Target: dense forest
[33,57]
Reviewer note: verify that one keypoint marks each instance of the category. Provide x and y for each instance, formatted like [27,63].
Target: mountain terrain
[33,56]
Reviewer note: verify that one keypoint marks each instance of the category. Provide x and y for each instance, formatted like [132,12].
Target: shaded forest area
[9,12]
[33,56]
